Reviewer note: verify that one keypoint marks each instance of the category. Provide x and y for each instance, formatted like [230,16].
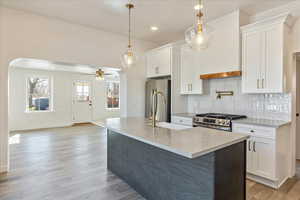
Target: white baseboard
[43,127]
[3,169]
[267,182]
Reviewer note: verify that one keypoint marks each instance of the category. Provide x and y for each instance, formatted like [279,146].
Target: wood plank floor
[70,164]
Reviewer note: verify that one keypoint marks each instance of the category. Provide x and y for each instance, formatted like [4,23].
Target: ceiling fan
[100,74]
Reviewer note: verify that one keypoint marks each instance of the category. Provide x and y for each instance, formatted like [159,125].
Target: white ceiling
[171,16]
[27,63]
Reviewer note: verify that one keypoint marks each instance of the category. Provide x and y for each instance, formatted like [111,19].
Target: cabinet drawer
[256,131]
[182,120]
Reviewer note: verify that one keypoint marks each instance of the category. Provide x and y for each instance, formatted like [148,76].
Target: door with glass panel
[82,101]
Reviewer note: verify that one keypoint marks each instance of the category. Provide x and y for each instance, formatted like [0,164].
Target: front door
[82,101]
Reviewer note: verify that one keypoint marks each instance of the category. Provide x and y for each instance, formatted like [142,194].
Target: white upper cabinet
[263,60]
[166,61]
[252,53]
[224,51]
[189,70]
[159,61]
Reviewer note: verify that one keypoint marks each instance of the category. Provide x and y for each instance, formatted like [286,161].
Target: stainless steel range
[216,120]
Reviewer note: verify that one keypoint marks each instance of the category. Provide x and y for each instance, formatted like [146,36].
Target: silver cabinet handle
[249,145]
[257,84]
[254,146]
[156,70]
[191,87]
[263,83]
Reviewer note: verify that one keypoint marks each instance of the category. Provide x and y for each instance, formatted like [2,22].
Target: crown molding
[283,18]
[293,8]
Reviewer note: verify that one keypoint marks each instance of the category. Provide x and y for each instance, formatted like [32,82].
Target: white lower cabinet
[261,157]
[267,153]
[182,120]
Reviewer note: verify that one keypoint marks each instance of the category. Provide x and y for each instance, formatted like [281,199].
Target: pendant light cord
[129,28]
[130,6]
[200,13]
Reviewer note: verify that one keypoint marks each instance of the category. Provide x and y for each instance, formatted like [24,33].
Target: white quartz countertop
[262,122]
[190,143]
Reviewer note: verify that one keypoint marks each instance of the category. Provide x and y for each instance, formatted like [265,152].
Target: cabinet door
[197,87]
[272,70]
[263,157]
[159,62]
[187,63]
[251,61]
[150,64]
[163,61]
[190,80]
[249,156]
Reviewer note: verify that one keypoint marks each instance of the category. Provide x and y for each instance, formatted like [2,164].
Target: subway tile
[267,106]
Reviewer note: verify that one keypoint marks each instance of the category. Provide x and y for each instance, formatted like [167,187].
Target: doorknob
[297,114]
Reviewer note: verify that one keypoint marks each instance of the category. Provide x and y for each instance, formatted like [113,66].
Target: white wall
[99,101]
[298,110]
[26,35]
[62,88]
[62,100]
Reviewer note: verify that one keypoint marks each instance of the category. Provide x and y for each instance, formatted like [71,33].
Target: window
[113,95]
[38,94]
[82,91]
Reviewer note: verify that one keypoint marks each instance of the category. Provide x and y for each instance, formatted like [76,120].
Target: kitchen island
[165,164]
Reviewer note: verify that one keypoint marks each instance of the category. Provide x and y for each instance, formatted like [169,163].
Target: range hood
[221,75]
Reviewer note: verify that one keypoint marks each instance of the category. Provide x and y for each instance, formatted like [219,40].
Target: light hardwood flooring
[70,164]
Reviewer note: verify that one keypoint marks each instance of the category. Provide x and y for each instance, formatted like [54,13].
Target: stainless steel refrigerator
[164,102]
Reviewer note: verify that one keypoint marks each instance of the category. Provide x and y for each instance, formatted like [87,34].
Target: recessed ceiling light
[198,6]
[154,28]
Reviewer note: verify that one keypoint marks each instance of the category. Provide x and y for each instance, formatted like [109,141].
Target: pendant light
[129,58]
[197,36]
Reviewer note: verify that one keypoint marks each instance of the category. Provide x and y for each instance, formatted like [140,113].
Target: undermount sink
[172,126]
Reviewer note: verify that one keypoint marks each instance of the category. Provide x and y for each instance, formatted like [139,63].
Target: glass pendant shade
[128,59]
[198,38]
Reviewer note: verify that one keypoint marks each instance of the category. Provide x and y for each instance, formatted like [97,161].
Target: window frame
[75,96]
[106,105]
[50,85]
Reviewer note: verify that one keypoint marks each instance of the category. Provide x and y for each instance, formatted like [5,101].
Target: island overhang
[190,143]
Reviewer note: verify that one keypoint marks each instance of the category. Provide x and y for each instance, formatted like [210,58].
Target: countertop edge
[262,124]
[221,146]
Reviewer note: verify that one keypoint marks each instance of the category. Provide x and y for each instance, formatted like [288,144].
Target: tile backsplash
[264,106]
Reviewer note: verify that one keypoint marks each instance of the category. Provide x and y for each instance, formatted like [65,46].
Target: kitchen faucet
[155,94]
